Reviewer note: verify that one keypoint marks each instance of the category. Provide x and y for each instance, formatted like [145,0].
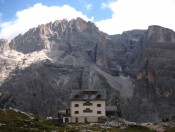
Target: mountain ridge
[41,67]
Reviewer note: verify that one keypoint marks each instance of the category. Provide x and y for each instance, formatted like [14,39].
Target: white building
[87,105]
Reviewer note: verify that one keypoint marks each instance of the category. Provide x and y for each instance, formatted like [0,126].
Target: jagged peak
[81,23]
[43,36]
[80,20]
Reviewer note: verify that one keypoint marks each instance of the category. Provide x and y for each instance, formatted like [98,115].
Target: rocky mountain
[75,36]
[49,61]
[39,69]
[153,98]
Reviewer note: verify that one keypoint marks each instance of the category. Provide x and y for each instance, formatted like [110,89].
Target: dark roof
[68,108]
[111,108]
[88,95]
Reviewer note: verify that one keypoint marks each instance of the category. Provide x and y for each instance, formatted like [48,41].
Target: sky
[110,16]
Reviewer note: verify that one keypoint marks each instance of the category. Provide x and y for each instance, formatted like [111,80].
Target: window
[76,105]
[67,111]
[76,112]
[98,105]
[87,103]
[98,112]
[87,110]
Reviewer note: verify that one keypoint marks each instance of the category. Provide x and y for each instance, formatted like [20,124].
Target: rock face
[51,60]
[154,94]
[39,69]
[4,46]
[76,36]
[159,34]
[122,48]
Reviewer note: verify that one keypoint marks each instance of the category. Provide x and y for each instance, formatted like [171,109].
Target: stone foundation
[83,119]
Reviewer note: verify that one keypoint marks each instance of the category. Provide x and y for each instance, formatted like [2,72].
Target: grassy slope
[16,121]
[170,129]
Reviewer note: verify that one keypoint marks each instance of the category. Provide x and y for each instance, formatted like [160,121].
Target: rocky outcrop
[154,94]
[159,34]
[4,46]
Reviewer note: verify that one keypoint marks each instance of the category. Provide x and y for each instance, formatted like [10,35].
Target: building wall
[65,119]
[64,111]
[81,119]
[90,116]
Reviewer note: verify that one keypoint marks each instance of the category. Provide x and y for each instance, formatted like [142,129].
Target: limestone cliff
[154,94]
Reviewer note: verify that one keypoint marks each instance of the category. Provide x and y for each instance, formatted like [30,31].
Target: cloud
[36,15]
[138,14]
[104,5]
[89,6]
